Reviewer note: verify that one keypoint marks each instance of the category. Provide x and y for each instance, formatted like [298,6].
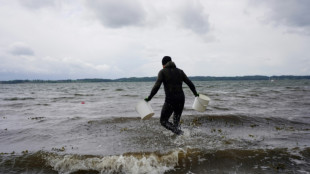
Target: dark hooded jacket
[172,77]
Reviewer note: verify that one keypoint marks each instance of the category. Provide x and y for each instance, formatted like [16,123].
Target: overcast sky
[73,39]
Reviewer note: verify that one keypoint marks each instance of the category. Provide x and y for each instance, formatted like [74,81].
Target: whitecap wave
[138,163]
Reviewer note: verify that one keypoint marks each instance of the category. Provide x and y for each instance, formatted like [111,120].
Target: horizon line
[152,77]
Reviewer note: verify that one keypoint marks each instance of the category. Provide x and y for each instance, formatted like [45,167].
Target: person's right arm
[156,85]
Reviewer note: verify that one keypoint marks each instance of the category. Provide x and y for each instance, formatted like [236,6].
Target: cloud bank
[21,49]
[117,14]
[192,16]
[36,4]
[57,39]
[290,13]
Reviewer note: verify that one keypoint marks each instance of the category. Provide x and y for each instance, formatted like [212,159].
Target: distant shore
[151,79]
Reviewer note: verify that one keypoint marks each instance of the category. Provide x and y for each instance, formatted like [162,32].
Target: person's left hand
[147,99]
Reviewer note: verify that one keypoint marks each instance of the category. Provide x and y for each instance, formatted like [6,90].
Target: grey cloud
[119,13]
[294,13]
[192,17]
[36,4]
[20,49]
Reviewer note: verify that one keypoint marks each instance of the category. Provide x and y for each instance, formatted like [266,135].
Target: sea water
[248,127]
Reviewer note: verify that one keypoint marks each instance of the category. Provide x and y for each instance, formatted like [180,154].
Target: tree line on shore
[152,79]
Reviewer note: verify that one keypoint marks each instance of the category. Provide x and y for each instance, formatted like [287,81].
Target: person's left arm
[190,84]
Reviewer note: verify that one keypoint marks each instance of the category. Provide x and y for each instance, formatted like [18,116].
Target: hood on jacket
[170,65]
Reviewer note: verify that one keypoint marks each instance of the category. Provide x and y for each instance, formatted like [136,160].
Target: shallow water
[249,127]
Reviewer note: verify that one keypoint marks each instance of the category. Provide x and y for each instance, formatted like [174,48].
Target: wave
[62,98]
[126,163]
[43,104]
[82,95]
[235,119]
[19,98]
[48,162]
[180,160]
[221,108]
[129,95]
[115,120]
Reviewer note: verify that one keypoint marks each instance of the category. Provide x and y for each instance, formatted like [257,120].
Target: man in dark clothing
[172,77]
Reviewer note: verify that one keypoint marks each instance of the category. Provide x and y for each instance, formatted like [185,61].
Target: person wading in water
[172,77]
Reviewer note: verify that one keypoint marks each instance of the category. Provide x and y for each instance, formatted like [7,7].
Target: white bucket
[201,103]
[144,109]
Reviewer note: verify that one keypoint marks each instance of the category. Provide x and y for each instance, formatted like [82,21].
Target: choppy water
[249,127]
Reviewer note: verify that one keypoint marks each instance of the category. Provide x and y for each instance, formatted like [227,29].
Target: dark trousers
[173,104]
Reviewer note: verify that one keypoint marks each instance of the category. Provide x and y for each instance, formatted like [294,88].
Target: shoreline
[152,79]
